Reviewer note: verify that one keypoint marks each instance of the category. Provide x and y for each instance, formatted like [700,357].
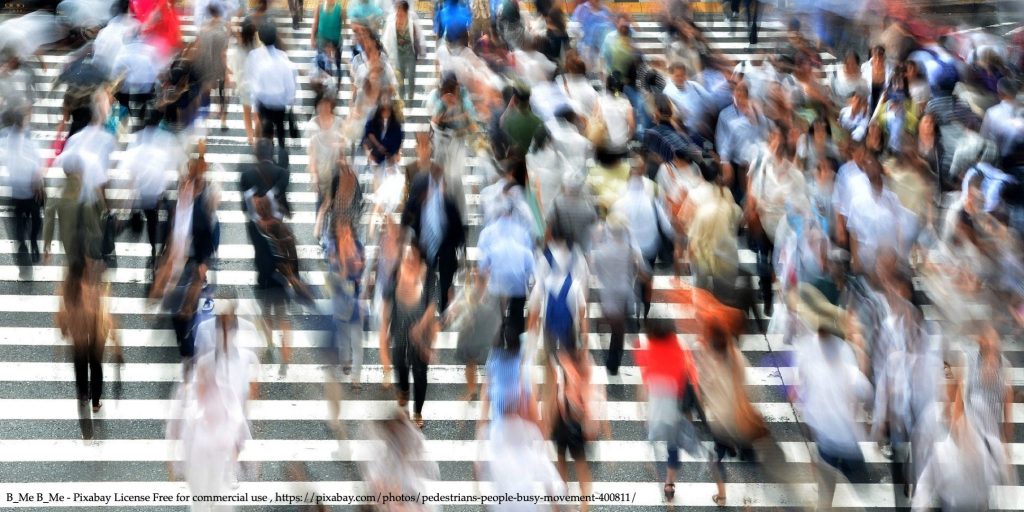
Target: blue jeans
[636,99]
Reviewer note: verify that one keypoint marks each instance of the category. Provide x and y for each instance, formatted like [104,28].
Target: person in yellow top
[608,177]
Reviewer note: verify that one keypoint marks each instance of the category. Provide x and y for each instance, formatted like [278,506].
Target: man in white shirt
[135,63]
[272,80]
[832,391]
[875,221]
[691,99]
[1002,122]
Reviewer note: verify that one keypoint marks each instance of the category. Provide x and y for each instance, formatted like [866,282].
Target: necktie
[434,221]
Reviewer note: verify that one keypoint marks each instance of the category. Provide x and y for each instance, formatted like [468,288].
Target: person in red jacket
[669,375]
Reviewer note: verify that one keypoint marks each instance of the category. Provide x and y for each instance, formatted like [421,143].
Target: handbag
[57,146]
[597,129]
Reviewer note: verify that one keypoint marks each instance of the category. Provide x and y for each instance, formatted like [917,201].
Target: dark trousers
[765,270]
[418,366]
[853,468]
[752,8]
[513,317]
[87,357]
[140,99]
[152,229]
[27,220]
[617,324]
[441,274]
[271,121]
[295,7]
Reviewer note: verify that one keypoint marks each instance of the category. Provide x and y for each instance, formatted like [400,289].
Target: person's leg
[827,468]
[96,373]
[401,374]
[617,323]
[266,124]
[516,314]
[718,470]
[152,216]
[470,381]
[277,117]
[753,6]
[248,120]
[446,276]
[419,375]
[80,359]
[583,476]
[356,337]
[35,215]
[22,213]
[765,272]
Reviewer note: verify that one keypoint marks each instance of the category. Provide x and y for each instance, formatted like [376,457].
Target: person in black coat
[266,176]
[443,253]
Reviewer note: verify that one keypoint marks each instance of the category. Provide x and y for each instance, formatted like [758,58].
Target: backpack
[946,77]
[558,316]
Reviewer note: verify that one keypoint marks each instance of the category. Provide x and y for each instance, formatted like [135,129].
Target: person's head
[213,10]
[717,337]
[878,52]
[741,95]
[422,146]
[412,262]
[678,72]
[14,117]
[449,88]
[663,108]
[1008,89]
[622,24]
[926,127]
[247,34]
[516,170]
[402,11]
[556,19]
[851,63]
[660,330]
[325,105]
[614,84]
[574,65]
[262,5]
[268,34]
[521,95]
[777,142]
[911,70]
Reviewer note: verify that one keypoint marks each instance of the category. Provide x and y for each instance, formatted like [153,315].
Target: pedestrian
[84,320]
[438,225]
[403,43]
[617,264]
[272,84]
[408,328]
[325,36]
[25,172]
[671,384]
[245,43]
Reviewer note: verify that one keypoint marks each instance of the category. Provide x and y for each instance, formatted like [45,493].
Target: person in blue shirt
[345,260]
[452,20]
[507,265]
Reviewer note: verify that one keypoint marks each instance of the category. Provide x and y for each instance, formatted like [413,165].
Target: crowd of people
[864,190]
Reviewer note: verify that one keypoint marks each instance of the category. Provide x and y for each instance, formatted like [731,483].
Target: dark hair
[663,106]
[574,65]
[614,83]
[607,158]
[659,328]
[557,18]
[709,171]
[1007,87]
[402,5]
[516,168]
[449,84]
[214,10]
[854,54]
[268,34]
[248,34]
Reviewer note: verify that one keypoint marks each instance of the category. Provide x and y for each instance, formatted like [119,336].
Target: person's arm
[385,353]
[316,26]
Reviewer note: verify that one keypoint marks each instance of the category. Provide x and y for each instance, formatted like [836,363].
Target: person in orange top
[669,376]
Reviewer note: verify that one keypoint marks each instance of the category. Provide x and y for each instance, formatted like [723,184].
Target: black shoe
[295,25]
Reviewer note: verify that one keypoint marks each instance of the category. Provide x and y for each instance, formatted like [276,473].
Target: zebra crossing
[40,444]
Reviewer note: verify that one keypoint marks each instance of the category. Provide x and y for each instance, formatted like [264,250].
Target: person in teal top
[326,33]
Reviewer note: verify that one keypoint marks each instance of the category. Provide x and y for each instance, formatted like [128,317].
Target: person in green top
[326,33]
[519,123]
[618,51]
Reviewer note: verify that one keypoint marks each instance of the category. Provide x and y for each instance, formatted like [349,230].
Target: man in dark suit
[435,219]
